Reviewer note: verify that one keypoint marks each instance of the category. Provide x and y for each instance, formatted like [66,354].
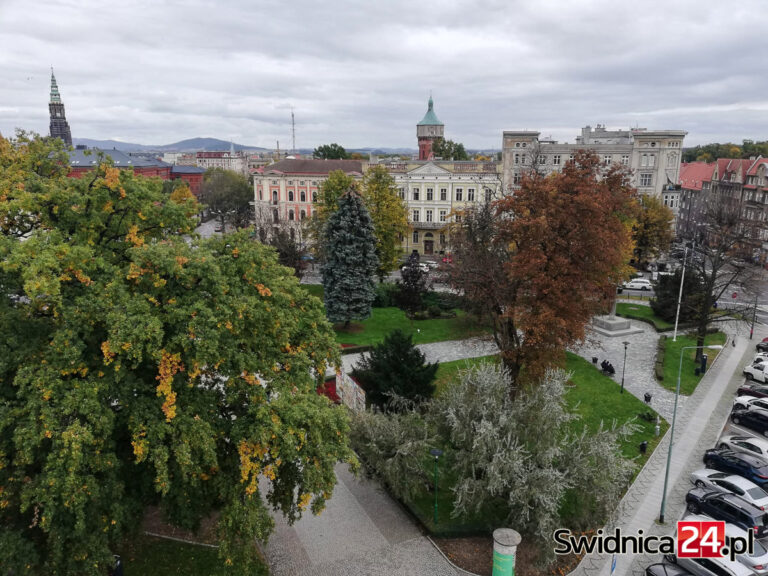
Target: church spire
[59,124]
[55,96]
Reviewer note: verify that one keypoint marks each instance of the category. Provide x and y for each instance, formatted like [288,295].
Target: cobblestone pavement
[641,355]
[362,532]
[699,424]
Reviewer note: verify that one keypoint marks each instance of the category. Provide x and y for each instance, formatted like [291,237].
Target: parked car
[762,346]
[728,508]
[757,372]
[760,358]
[710,566]
[725,482]
[757,561]
[749,403]
[746,444]
[639,284]
[756,390]
[750,467]
[666,569]
[422,266]
[756,420]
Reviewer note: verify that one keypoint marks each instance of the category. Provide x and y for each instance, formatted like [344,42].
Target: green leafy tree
[227,195]
[289,252]
[396,367]
[350,261]
[390,217]
[653,231]
[449,150]
[139,367]
[330,152]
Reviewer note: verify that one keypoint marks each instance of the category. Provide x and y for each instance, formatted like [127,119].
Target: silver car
[749,403]
[757,561]
[736,485]
[747,444]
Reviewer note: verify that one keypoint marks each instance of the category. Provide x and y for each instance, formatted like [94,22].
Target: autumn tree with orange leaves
[540,262]
[140,364]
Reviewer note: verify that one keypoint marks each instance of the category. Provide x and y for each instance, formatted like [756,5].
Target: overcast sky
[360,73]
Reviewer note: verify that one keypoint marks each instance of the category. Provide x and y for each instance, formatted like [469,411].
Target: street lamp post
[674,418]
[436,452]
[624,366]
[680,294]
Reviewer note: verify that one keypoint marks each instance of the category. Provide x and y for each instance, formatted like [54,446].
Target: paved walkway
[362,532]
[698,427]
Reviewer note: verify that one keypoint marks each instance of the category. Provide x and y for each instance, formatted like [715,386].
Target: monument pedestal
[613,326]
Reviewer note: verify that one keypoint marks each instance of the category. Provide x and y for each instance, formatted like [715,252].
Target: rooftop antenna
[293,134]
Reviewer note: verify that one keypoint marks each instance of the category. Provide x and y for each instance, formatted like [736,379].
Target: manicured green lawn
[645,313]
[688,378]
[314,289]
[594,396]
[148,556]
[385,320]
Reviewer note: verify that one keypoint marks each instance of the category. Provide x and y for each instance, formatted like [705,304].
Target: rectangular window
[290,182]
[415,216]
[646,180]
[570,157]
[625,160]
[415,193]
[556,159]
[458,194]
[607,159]
[302,183]
[651,160]
[644,160]
[415,236]
[442,215]
[402,193]
[429,215]
[516,179]
[442,239]
[274,182]
[470,194]
[542,159]
[443,194]
[429,194]
[517,158]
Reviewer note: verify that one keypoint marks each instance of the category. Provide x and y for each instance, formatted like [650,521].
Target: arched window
[290,195]
[314,196]
[303,196]
[290,215]
[274,196]
[303,214]
[275,215]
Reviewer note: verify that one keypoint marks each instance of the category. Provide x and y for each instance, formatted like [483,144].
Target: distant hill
[190,145]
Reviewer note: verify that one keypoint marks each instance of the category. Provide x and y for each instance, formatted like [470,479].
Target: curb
[461,570]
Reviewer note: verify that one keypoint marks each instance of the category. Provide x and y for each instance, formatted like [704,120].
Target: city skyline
[156,73]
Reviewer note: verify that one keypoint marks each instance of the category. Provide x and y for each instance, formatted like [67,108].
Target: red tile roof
[694,174]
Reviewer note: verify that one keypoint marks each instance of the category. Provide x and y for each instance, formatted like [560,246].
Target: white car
[757,372]
[750,403]
[724,482]
[757,562]
[747,444]
[422,266]
[639,284]
[760,357]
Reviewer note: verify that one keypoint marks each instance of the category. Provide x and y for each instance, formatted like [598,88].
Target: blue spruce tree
[348,272]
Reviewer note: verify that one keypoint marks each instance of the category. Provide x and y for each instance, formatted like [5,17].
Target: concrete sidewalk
[697,428]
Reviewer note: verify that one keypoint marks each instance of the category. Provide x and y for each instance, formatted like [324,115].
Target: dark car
[756,390]
[756,420]
[728,508]
[762,346]
[750,467]
[665,569]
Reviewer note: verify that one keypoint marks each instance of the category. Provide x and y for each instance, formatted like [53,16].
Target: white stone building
[653,155]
